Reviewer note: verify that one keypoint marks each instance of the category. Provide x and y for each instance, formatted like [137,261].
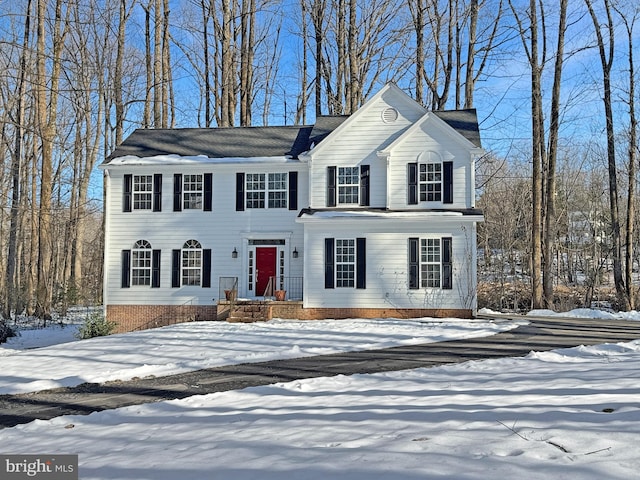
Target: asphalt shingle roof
[247,142]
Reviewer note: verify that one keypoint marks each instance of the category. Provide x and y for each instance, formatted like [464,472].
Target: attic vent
[389,115]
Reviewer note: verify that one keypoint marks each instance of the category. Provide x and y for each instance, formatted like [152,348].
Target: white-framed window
[348,185]
[277,190]
[266,190]
[430,182]
[192,189]
[142,192]
[141,262]
[430,262]
[191,262]
[345,262]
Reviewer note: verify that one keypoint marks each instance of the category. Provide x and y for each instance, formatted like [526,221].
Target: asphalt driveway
[540,334]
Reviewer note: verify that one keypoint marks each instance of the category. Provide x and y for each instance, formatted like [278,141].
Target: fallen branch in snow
[598,451]
[513,429]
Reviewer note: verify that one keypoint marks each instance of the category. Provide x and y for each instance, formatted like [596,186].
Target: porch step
[249,312]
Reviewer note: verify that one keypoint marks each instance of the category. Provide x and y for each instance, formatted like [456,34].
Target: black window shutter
[126,193]
[329,262]
[331,186]
[447,180]
[155,269]
[364,185]
[157,192]
[208,192]
[293,190]
[175,268]
[125,277]
[177,192]
[447,269]
[239,192]
[414,263]
[412,184]
[361,263]
[206,268]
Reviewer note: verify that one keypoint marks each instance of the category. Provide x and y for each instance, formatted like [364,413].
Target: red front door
[265,266]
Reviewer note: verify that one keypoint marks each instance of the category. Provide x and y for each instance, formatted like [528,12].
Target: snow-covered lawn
[565,414]
[192,346]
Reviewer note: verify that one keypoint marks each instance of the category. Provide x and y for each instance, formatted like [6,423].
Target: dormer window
[430,180]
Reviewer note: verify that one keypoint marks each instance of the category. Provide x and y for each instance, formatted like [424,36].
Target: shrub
[6,331]
[95,326]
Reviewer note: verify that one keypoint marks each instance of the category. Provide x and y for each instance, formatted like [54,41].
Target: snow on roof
[194,159]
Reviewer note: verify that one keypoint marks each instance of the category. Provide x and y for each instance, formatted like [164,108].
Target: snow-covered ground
[566,414]
[192,346]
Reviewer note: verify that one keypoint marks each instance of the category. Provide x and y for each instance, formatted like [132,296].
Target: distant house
[367,215]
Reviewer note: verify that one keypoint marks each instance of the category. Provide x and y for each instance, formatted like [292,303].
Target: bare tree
[606,49]
[530,40]
[551,160]
[629,23]
[11,285]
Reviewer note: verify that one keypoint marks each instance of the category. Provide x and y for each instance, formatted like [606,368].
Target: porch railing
[293,286]
[228,288]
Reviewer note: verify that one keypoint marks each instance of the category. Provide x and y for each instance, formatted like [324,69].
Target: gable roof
[253,142]
[465,122]
[239,142]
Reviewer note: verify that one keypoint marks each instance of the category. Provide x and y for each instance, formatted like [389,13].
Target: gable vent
[389,115]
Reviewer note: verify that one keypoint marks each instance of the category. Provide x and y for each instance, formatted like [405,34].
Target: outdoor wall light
[234,254]
[294,254]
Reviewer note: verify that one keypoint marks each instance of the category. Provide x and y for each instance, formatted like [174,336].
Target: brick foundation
[140,317]
[294,310]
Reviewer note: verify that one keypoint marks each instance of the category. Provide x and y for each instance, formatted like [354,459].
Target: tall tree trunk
[11,283]
[317,16]
[158,83]
[530,40]
[117,75]
[227,66]
[606,60]
[469,82]
[552,153]
[354,84]
[146,114]
[632,153]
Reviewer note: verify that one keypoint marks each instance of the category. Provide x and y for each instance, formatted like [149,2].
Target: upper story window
[191,260]
[142,192]
[348,186]
[141,258]
[193,191]
[266,190]
[430,182]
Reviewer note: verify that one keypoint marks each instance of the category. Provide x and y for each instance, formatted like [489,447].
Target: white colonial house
[367,215]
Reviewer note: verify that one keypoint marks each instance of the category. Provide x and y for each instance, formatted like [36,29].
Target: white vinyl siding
[220,230]
[388,271]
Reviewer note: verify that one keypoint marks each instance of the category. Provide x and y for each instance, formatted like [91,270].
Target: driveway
[540,334]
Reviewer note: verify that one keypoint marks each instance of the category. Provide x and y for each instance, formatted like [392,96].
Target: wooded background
[553,83]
